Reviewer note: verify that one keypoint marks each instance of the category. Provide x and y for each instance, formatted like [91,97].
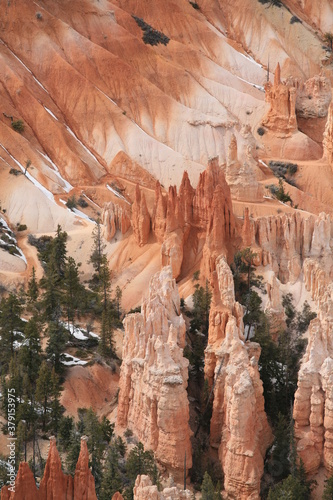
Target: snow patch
[115,192]
[69,360]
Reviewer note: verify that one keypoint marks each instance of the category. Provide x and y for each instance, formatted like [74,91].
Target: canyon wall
[153,379]
[285,241]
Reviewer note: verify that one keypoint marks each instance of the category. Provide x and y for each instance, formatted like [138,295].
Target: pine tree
[44,391]
[97,255]
[328,490]
[10,324]
[32,292]
[73,290]
[119,295]
[112,480]
[56,344]
[59,251]
[207,488]
[56,408]
[29,354]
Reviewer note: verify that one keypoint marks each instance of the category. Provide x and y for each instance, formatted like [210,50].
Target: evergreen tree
[73,451]
[56,408]
[328,490]
[29,354]
[10,324]
[112,478]
[59,251]
[119,294]
[207,488]
[56,344]
[32,293]
[139,462]
[73,290]
[97,255]
[44,392]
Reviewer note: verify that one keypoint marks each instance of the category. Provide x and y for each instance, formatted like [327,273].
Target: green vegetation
[328,39]
[150,35]
[18,125]
[295,19]
[71,202]
[195,5]
[261,131]
[328,490]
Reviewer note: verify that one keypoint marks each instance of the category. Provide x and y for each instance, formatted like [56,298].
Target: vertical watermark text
[11,417]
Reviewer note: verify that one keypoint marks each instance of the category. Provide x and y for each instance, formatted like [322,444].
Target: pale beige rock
[144,490]
[313,407]
[239,427]
[274,308]
[115,217]
[153,379]
[284,241]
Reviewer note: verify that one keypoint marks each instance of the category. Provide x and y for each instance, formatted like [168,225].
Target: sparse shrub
[260,131]
[295,19]
[196,275]
[82,202]
[39,16]
[71,202]
[283,169]
[281,195]
[328,38]
[271,3]
[14,171]
[18,125]
[150,35]
[195,5]
[22,227]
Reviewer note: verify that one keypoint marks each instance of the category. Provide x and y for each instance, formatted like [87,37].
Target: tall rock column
[140,218]
[313,407]
[239,427]
[153,379]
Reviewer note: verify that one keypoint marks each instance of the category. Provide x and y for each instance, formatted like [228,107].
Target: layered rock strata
[313,407]
[202,214]
[281,97]
[153,379]
[313,98]
[114,218]
[144,490]
[285,241]
[55,484]
[239,427]
[242,175]
[328,136]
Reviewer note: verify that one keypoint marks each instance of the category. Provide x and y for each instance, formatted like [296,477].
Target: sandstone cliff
[313,399]
[239,427]
[55,484]
[285,240]
[153,379]
[281,97]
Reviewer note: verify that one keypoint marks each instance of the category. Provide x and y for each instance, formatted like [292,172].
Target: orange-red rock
[140,218]
[55,485]
[152,398]
[84,483]
[281,97]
